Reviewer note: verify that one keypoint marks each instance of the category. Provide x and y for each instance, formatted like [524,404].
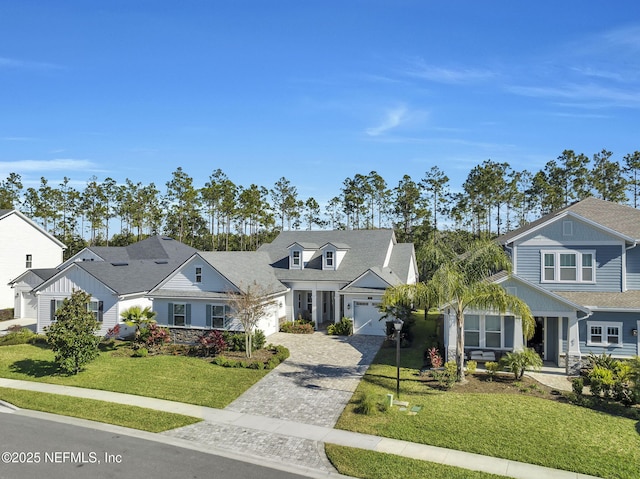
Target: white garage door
[366,319]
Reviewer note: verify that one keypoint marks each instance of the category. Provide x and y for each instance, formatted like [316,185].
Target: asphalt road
[34,447]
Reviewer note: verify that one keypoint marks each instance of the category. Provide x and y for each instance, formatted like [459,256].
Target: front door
[537,341]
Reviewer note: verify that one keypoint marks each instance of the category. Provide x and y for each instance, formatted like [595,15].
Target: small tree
[250,305]
[72,336]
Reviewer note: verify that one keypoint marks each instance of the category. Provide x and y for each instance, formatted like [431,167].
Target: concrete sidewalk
[299,430]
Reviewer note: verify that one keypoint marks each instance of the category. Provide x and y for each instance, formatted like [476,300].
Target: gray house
[578,269]
[116,277]
[335,274]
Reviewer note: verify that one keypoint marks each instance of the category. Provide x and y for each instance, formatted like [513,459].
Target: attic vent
[119,264]
[161,262]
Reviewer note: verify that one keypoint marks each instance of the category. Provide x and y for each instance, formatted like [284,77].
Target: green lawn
[516,427]
[176,378]
[101,411]
[378,465]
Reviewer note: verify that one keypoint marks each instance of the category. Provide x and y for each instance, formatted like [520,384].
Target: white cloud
[419,69]
[588,95]
[26,64]
[393,118]
[38,166]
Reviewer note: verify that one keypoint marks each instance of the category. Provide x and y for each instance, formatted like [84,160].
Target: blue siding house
[578,269]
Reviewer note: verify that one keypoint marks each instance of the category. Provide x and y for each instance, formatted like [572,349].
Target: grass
[378,465]
[518,427]
[176,378]
[94,410]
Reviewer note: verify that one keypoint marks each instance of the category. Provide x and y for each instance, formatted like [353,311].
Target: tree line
[222,215]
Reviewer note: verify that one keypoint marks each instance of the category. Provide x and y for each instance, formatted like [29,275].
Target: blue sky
[315,91]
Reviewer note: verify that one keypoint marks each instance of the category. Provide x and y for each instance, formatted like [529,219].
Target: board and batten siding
[608,267]
[540,303]
[76,279]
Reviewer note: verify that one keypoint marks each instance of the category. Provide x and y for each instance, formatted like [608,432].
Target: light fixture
[634,332]
[397,325]
[348,305]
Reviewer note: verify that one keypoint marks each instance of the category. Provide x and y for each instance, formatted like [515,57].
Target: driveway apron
[311,387]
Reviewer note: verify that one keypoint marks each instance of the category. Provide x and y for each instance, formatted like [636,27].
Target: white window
[492,331]
[295,256]
[96,308]
[568,267]
[472,330]
[179,314]
[483,331]
[29,261]
[56,304]
[218,316]
[604,334]
[198,274]
[329,259]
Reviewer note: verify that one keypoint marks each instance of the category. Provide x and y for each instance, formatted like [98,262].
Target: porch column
[638,336]
[518,335]
[336,306]
[573,347]
[314,306]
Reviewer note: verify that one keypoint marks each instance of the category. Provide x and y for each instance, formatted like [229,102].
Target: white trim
[197,274]
[638,336]
[184,315]
[557,268]
[546,242]
[482,332]
[605,333]
[624,268]
[567,228]
[577,217]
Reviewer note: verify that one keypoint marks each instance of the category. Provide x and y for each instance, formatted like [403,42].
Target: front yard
[176,378]
[524,424]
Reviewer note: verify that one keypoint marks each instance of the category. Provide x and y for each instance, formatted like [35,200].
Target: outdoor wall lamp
[634,332]
[348,305]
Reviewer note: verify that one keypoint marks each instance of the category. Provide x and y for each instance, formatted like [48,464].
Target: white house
[24,245]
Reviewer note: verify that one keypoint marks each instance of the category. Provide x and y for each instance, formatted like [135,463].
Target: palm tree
[138,317]
[461,283]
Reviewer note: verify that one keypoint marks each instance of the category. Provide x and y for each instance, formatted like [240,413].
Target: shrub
[601,381]
[367,403]
[280,353]
[211,343]
[154,337]
[236,341]
[19,336]
[518,362]
[577,386]
[492,368]
[446,377]
[343,328]
[140,353]
[471,366]
[297,327]
[435,359]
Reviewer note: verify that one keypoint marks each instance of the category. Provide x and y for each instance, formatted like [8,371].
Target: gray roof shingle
[623,219]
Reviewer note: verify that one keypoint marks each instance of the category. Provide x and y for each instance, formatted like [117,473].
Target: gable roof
[42,273]
[4,213]
[136,268]
[243,268]
[367,249]
[621,219]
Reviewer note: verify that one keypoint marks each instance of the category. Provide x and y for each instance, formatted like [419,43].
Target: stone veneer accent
[185,335]
[573,364]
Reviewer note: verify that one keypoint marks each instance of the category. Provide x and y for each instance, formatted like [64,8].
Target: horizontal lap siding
[629,342]
[633,268]
[608,267]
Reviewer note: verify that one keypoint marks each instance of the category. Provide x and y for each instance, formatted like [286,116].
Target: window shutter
[209,322]
[53,310]
[170,315]
[187,320]
[100,310]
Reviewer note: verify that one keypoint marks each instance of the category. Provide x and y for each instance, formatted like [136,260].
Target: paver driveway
[315,384]
[311,387]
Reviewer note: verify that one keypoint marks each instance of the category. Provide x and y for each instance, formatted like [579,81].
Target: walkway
[296,432]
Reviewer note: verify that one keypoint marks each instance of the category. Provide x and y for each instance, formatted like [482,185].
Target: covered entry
[366,318]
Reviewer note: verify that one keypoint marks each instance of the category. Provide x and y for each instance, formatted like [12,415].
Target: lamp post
[397,325]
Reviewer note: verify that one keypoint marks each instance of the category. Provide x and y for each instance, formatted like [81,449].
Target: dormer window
[329,259]
[295,259]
